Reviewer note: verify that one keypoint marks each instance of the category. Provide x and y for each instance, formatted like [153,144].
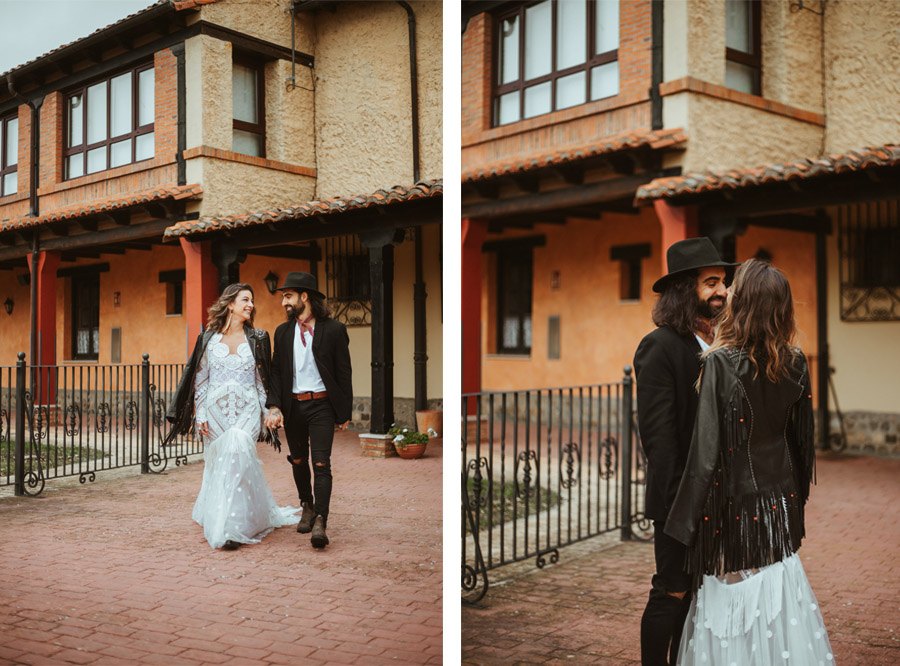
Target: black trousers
[664,616]
[309,427]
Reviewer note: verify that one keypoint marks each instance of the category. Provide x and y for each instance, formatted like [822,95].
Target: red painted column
[473,235]
[201,285]
[678,223]
[43,271]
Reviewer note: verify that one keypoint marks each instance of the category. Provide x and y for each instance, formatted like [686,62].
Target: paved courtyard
[116,572]
[586,609]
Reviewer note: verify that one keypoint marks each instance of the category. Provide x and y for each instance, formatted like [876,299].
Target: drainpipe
[656,66]
[420,356]
[33,203]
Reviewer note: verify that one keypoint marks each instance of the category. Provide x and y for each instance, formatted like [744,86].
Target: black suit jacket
[331,350]
[666,369]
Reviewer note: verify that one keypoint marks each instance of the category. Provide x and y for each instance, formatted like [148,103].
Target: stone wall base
[404,412]
[870,432]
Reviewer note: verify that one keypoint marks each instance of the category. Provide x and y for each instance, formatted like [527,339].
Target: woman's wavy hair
[677,304]
[218,311]
[759,319]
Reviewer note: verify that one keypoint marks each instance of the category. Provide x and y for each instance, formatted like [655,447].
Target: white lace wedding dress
[235,503]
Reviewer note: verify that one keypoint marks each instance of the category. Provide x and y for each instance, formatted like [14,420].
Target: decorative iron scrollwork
[525,462]
[181,460]
[541,560]
[478,497]
[644,527]
[4,426]
[609,457]
[156,463]
[130,415]
[72,422]
[87,476]
[572,454]
[103,417]
[34,480]
[352,313]
[870,303]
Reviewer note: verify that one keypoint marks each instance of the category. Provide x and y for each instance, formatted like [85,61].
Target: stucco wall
[14,328]
[363,118]
[724,134]
[290,113]
[208,92]
[862,49]
[269,20]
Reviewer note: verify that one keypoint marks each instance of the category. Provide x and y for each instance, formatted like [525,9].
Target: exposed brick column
[201,284]
[473,235]
[678,223]
[43,270]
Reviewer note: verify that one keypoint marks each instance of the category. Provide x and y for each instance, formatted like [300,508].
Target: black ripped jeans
[310,427]
[664,616]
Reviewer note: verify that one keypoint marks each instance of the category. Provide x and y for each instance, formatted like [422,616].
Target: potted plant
[409,443]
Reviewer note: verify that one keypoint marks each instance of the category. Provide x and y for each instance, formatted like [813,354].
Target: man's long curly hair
[677,304]
[759,318]
[218,311]
[320,310]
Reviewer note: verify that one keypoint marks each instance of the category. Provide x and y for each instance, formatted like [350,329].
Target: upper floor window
[9,155]
[555,54]
[110,123]
[249,108]
[743,46]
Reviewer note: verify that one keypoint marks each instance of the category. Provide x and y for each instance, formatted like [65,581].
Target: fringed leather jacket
[181,410]
[741,500]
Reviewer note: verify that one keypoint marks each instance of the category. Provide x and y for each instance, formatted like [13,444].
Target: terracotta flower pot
[430,418]
[411,451]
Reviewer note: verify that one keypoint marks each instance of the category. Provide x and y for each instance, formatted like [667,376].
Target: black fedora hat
[690,254]
[300,281]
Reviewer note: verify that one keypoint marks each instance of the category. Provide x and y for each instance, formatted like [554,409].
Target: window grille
[347,279]
[869,248]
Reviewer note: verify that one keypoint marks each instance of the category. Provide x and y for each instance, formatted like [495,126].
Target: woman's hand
[274,419]
[203,428]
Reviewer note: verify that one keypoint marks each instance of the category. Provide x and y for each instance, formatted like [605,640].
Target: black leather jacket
[741,500]
[181,410]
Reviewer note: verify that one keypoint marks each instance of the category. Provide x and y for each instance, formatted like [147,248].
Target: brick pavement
[116,572]
[587,608]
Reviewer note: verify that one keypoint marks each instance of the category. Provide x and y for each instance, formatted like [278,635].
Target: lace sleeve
[201,385]
[260,391]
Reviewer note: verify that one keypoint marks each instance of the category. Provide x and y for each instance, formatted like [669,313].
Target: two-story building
[597,132]
[196,143]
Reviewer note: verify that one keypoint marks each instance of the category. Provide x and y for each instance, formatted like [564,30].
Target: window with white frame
[743,46]
[553,55]
[110,123]
[9,155]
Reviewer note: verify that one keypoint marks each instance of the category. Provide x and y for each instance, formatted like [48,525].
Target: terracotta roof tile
[191,4]
[655,140]
[161,193]
[422,190]
[734,179]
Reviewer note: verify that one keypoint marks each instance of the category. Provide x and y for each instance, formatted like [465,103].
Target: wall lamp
[8,305]
[271,281]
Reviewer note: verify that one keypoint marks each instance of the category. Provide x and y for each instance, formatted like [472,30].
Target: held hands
[274,419]
[203,428]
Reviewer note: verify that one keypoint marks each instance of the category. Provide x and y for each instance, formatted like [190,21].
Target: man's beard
[293,313]
[709,311]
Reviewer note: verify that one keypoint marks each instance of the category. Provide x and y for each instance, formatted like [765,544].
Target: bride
[224,388]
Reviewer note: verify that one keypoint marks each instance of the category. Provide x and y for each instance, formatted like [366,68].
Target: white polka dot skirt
[770,616]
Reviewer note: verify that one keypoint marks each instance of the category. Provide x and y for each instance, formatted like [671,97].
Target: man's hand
[342,426]
[203,428]
[274,419]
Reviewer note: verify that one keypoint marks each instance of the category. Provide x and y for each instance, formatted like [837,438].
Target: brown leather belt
[309,395]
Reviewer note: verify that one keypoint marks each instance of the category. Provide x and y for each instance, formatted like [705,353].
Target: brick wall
[573,127]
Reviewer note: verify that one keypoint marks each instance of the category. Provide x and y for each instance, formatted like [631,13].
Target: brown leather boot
[306,518]
[318,538]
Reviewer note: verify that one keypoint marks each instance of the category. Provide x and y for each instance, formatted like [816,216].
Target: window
[514,277]
[110,123]
[9,155]
[348,280]
[869,247]
[249,108]
[555,54]
[174,281]
[86,316]
[743,46]
[629,258]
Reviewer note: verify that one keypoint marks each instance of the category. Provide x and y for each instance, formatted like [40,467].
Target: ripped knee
[296,461]
[322,465]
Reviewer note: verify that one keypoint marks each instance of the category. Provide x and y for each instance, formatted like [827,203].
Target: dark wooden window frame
[258,128]
[176,279]
[513,249]
[76,277]
[521,84]
[136,130]
[752,60]
[5,169]
[631,267]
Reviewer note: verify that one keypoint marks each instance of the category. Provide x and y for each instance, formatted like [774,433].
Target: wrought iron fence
[61,421]
[543,469]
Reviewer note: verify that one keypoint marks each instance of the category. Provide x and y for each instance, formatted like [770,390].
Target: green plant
[404,437]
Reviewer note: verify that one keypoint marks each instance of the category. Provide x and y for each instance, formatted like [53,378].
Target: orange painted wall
[14,328]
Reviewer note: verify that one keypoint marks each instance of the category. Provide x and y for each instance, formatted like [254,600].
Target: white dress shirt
[306,374]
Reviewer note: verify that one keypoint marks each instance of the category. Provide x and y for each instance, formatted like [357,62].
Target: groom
[310,393]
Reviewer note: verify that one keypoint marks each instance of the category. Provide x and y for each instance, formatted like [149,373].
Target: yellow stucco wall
[363,117]
[269,20]
[862,49]
[14,328]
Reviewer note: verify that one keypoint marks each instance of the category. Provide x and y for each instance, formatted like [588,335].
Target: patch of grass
[503,498]
[55,454]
